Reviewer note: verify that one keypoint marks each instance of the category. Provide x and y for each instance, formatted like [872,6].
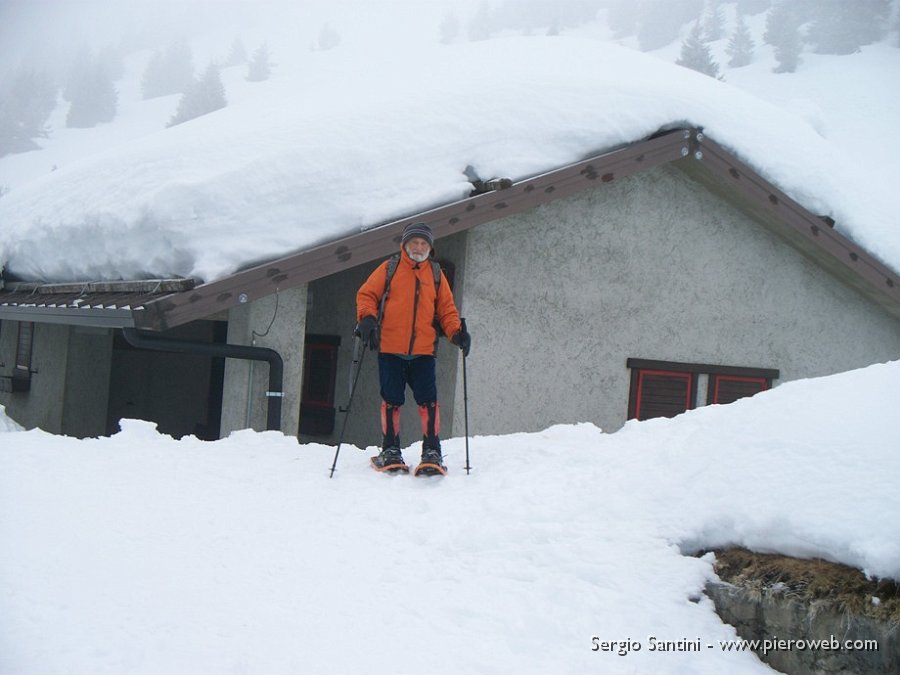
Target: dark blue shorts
[395,373]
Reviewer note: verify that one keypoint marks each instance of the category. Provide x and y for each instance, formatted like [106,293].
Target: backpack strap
[393,261]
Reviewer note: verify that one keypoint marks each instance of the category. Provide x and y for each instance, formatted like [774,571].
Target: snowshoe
[390,460]
[431,464]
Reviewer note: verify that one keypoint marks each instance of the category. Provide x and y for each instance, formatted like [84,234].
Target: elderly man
[399,309]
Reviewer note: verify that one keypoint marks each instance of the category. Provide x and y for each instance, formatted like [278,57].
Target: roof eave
[374,243]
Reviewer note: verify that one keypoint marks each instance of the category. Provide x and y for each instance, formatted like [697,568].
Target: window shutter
[729,388]
[661,393]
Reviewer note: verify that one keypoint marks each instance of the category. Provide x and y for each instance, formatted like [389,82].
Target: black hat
[417,230]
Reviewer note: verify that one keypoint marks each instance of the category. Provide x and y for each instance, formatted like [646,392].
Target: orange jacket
[407,325]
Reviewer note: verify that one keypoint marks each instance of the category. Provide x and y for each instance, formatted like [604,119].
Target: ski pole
[358,361]
[466,403]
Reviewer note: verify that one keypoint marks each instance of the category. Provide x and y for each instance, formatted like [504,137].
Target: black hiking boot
[389,460]
[431,463]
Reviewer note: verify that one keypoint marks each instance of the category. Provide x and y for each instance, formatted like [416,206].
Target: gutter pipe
[276,365]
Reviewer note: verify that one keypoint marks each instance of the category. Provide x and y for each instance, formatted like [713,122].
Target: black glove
[367,329]
[463,340]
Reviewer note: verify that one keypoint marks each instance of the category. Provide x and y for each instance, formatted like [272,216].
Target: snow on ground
[142,554]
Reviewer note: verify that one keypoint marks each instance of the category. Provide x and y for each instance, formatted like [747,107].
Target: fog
[47,33]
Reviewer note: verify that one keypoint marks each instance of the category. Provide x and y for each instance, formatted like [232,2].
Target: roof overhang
[158,306]
[98,304]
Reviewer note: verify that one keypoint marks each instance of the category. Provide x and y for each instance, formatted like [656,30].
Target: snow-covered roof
[360,139]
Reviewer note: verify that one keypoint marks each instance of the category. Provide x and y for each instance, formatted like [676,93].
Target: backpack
[393,261]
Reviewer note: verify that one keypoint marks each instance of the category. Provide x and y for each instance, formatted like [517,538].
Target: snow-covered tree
[78,69]
[787,53]
[204,95]
[168,72]
[740,45]
[782,22]
[695,54]
[329,38]
[783,33]
[26,102]
[480,25]
[93,98]
[259,67]
[841,27]
[714,22]
[237,54]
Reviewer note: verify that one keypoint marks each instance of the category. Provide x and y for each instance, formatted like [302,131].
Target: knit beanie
[417,230]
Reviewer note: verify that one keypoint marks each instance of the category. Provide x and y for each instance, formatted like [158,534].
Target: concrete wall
[655,267]
[69,381]
[333,312]
[278,322]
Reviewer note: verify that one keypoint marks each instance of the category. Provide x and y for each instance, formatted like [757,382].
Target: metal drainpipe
[276,366]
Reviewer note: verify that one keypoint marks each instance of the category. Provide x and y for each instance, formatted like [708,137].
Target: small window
[666,389]
[729,388]
[661,393]
[319,376]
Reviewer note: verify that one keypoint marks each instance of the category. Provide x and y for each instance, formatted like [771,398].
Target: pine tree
[25,105]
[787,53]
[695,54]
[237,54]
[783,33]
[78,70]
[782,21]
[94,99]
[740,45]
[259,67]
[329,38]
[480,24]
[840,27]
[714,22]
[204,95]
[168,73]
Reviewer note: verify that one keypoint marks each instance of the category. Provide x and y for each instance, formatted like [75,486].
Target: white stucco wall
[655,267]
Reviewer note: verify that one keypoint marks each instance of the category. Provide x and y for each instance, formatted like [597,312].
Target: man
[398,310]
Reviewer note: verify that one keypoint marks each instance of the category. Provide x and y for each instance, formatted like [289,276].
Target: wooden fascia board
[804,230]
[378,242]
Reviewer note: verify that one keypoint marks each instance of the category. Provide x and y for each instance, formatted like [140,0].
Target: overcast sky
[48,32]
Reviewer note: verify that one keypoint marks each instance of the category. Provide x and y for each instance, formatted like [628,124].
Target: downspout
[276,366]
